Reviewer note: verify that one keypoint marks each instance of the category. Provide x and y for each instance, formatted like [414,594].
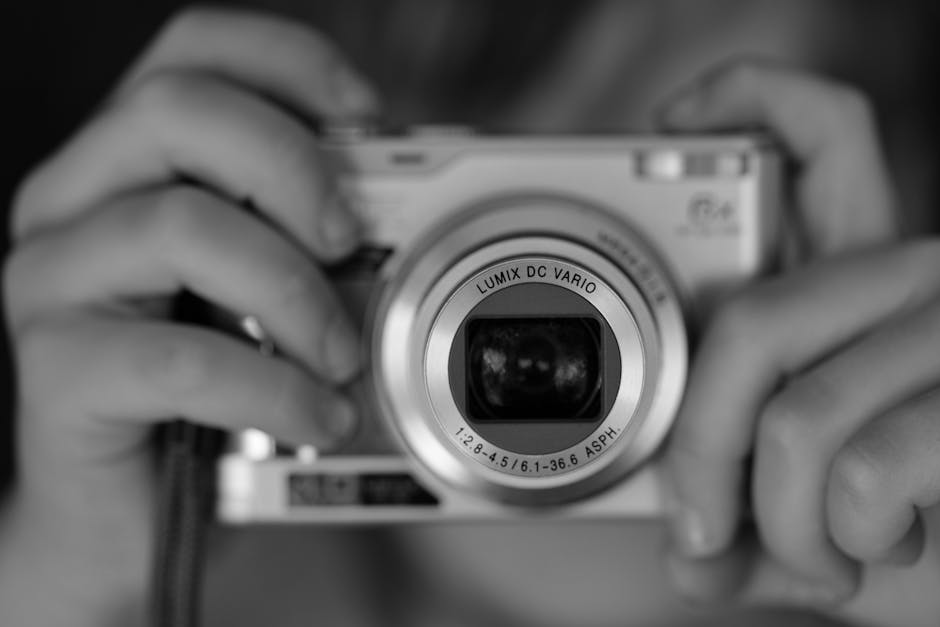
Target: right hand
[148,199]
[813,392]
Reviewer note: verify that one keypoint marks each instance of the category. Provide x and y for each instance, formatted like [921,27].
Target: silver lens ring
[608,301]
[430,293]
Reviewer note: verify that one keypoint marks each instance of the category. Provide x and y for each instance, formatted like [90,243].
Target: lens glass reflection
[533,368]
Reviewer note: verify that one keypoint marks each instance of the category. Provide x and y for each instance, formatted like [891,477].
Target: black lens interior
[534,368]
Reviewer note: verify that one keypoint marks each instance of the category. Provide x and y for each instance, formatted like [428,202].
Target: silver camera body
[525,304]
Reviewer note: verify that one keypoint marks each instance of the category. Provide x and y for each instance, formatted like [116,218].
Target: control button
[255,444]
[730,164]
[307,454]
[661,164]
[670,165]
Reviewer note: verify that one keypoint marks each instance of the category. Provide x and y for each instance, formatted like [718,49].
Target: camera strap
[187,485]
[184,510]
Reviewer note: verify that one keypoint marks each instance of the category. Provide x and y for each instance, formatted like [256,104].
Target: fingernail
[342,349]
[339,226]
[691,534]
[353,95]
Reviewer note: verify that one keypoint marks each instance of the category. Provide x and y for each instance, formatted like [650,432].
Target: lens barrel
[530,351]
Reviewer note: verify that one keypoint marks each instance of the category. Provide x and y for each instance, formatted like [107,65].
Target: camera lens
[533,368]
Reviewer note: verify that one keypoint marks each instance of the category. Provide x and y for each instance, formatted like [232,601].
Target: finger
[805,424]
[89,376]
[845,197]
[883,476]
[713,579]
[738,577]
[206,130]
[775,328]
[282,58]
[158,242]
[746,575]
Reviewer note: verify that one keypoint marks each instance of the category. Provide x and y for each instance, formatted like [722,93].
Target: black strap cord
[186,497]
[184,510]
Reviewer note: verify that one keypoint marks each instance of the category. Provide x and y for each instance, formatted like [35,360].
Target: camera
[526,304]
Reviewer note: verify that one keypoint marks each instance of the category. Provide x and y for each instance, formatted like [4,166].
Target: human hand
[147,199]
[827,378]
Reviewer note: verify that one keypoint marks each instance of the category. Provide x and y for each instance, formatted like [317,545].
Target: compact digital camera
[525,304]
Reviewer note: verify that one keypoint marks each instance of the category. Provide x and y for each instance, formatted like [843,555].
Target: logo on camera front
[709,215]
[541,272]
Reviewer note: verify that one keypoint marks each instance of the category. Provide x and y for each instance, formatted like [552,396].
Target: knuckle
[741,320]
[857,475]
[162,91]
[853,106]
[789,424]
[16,278]
[189,19]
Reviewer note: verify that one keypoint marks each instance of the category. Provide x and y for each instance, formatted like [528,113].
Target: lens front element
[534,368]
[537,365]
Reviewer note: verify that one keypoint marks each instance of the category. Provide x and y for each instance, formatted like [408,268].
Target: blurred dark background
[62,57]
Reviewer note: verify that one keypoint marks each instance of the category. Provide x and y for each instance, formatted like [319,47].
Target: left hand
[828,377]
